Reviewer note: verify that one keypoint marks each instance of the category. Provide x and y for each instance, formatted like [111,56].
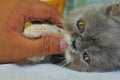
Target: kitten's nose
[73,44]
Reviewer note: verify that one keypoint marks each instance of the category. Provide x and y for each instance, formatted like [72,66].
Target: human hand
[14,46]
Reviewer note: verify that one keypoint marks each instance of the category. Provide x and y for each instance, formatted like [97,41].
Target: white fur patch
[36,58]
[38,30]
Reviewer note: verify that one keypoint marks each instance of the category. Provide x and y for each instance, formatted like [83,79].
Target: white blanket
[50,72]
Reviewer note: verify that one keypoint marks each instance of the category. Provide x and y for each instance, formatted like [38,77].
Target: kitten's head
[95,37]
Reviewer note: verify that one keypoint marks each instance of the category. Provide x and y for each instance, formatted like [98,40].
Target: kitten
[95,35]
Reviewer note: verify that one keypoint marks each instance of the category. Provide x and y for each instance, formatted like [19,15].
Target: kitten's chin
[68,57]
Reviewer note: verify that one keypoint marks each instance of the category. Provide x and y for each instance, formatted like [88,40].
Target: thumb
[39,47]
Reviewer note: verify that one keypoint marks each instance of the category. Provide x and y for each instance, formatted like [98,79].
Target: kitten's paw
[40,30]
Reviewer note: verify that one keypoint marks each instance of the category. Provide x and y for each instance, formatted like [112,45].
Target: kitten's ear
[113,10]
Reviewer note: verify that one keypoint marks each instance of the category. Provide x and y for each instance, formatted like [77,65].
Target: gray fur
[100,39]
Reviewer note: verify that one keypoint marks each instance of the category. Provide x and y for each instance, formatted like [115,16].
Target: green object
[78,3]
[100,1]
[71,4]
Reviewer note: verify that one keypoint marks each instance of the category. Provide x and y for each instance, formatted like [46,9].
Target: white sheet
[50,72]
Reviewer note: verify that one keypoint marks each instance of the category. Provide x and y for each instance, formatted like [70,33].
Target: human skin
[13,45]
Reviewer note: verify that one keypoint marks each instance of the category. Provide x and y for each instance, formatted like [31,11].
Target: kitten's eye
[81,26]
[86,58]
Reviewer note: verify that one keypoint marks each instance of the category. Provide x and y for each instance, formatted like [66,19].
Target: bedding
[51,72]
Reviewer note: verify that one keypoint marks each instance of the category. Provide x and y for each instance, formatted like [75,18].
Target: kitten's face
[95,40]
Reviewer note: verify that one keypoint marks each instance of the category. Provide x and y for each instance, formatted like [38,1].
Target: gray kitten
[95,33]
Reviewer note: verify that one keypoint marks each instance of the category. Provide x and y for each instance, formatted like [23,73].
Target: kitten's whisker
[63,63]
[62,58]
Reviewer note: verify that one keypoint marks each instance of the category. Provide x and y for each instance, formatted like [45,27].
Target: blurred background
[64,6]
[71,4]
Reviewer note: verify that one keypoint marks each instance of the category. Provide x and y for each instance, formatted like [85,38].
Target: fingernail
[63,45]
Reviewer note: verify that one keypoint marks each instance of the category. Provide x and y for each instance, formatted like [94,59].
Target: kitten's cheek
[63,45]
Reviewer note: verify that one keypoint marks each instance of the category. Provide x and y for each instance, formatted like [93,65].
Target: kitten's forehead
[86,12]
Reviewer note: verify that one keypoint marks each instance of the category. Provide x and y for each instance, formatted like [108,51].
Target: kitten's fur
[99,42]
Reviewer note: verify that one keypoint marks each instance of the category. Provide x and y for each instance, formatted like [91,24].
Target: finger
[37,47]
[40,11]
